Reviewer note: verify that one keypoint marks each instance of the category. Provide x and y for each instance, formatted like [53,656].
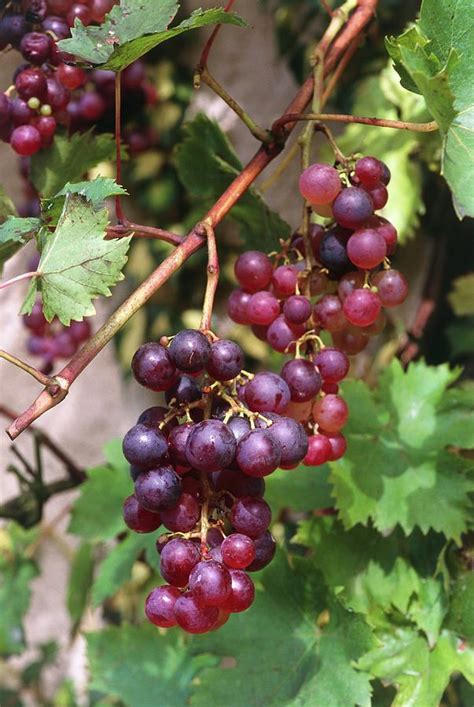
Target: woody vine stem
[338,43]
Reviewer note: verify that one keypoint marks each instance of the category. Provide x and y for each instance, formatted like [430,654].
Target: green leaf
[133,28]
[97,513]
[17,572]
[143,667]
[461,297]
[298,670]
[302,489]
[116,569]
[67,159]
[95,191]
[461,610]
[435,58]
[77,263]
[420,675]
[80,580]
[400,473]
[207,164]
[14,234]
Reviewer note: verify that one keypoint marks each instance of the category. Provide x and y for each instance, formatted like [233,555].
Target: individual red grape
[291,437]
[302,378]
[320,184]
[284,280]
[192,617]
[71,77]
[265,548]
[392,287]
[328,313]
[160,604]
[281,334]
[352,207]
[211,446]
[338,446]
[184,516]
[64,345]
[158,489]
[369,171]
[92,106]
[210,583]
[297,309]
[263,308]
[362,307]
[59,7]
[253,270]
[25,140]
[57,26]
[237,306]
[138,518]
[379,196]
[251,516]
[333,364]
[267,392]
[258,454]
[31,83]
[153,368]
[100,8]
[238,551]
[46,126]
[190,350]
[389,233]
[349,342]
[349,282]
[177,559]
[35,47]
[319,450]
[242,592]
[330,412]
[80,12]
[226,360]
[366,248]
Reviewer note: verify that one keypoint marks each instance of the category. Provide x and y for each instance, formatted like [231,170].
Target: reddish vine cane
[339,36]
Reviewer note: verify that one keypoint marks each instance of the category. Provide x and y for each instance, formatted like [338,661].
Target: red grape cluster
[50,92]
[51,341]
[198,466]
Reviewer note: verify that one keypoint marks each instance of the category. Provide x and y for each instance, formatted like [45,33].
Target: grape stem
[194,241]
[137,230]
[290,118]
[212,278]
[202,64]
[37,375]
[18,278]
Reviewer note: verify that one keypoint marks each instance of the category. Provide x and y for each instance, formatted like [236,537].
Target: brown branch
[37,375]
[212,278]
[356,23]
[280,123]
[208,46]
[137,230]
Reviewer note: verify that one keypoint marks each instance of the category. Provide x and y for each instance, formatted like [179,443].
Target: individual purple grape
[366,248]
[210,583]
[320,183]
[135,472]
[265,548]
[333,251]
[291,437]
[25,140]
[138,518]
[368,171]
[35,321]
[258,453]
[35,47]
[158,489]
[349,342]
[386,175]
[297,309]
[185,390]
[160,604]
[184,516]
[238,484]
[349,282]
[226,360]
[284,280]
[263,308]
[12,28]
[92,106]
[253,270]
[152,417]
[5,105]
[281,335]
[211,446]
[237,306]
[20,112]
[177,440]
[267,392]
[333,364]
[251,516]
[80,331]
[192,616]
[153,368]
[330,413]
[379,196]
[352,207]
[57,96]
[392,287]
[178,557]
[242,592]
[238,551]
[31,83]
[302,378]
[328,313]
[80,12]
[190,350]
[144,446]
[64,344]
[239,426]
[362,307]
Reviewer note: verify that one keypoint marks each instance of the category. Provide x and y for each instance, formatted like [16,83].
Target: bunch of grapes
[199,465]
[343,283]
[50,92]
[52,340]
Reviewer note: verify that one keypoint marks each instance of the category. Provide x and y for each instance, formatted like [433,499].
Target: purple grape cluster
[50,92]
[52,340]
[198,467]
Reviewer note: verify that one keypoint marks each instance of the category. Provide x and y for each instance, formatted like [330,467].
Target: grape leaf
[116,569]
[77,264]
[299,670]
[67,159]
[143,667]
[80,581]
[420,675]
[302,489]
[435,58]
[133,28]
[97,512]
[14,234]
[207,164]
[95,191]
[461,297]
[398,471]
